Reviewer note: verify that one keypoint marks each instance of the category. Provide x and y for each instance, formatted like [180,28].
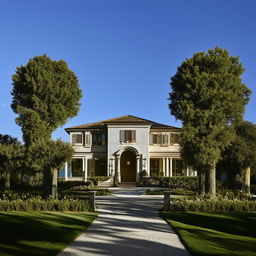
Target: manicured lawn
[215,233]
[40,233]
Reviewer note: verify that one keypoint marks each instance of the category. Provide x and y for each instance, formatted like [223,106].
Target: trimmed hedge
[178,182]
[38,204]
[213,205]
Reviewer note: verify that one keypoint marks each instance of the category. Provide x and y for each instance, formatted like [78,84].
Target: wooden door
[128,167]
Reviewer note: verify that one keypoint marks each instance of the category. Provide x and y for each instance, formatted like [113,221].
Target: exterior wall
[141,145]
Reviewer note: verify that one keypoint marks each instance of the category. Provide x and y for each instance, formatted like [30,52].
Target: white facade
[123,147]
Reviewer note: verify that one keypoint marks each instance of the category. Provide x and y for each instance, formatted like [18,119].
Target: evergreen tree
[11,153]
[208,96]
[240,156]
[46,94]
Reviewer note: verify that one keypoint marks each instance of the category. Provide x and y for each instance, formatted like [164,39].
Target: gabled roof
[128,119]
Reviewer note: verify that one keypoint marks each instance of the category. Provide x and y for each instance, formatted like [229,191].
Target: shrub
[96,179]
[178,182]
[63,185]
[213,205]
[37,204]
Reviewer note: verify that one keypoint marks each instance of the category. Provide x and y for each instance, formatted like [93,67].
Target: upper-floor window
[77,139]
[175,138]
[99,139]
[159,138]
[128,136]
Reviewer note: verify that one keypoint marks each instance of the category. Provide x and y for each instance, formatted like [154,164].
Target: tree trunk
[55,183]
[47,180]
[7,183]
[247,180]
[211,182]
[201,185]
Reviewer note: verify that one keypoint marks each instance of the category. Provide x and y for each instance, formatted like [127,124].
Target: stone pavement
[128,225]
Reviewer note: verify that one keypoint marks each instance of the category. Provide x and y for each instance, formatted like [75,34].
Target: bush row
[213,205]
[179,182]
[91,181]
[44,205]
[182,192]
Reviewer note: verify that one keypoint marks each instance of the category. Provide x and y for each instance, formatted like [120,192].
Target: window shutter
[87,139]
[133,135]
[164,139]
[150,139]
[122,135]
[159,139]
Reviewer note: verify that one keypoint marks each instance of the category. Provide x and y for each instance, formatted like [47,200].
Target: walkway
[128,225]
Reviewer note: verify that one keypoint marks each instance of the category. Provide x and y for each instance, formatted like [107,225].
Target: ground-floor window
[100,167]
[156,167]
[177,167]
[77,167]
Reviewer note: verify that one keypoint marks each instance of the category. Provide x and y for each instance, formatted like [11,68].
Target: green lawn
[40,233]
[215,233]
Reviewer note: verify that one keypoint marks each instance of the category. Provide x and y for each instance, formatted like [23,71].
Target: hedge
[44,205]
[177,182]
[213,205]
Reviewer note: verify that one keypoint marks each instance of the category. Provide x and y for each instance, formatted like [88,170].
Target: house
[123,147]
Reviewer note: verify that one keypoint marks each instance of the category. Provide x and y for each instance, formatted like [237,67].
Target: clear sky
[123,51]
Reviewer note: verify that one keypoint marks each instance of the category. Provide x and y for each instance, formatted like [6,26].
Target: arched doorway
[128,166]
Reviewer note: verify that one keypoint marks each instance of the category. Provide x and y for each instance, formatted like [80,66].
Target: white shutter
[164,139]
[150,138]
[87,139]
[121,135]
[133,135]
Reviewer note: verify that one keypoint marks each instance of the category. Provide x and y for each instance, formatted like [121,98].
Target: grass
[40,233]
[215,233]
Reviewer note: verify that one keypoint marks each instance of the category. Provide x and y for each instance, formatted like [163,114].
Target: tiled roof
[122,120]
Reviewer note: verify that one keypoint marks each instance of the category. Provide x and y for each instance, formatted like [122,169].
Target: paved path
[128,225]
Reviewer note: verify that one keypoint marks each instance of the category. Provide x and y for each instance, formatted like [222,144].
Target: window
[127,136]
[77,139]
[177,167]
[165,139]
[77,167]
[159,139]
[99,139]
[175,138]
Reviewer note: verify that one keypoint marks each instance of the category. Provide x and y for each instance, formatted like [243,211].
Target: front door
[128,166]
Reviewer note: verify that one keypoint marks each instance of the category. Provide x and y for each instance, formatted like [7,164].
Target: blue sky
[123,51]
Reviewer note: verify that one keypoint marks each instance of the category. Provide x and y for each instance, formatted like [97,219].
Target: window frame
[127,136]
[76,134]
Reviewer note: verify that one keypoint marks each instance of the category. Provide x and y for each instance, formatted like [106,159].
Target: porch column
[118,168]
[138,168]
[170,166]
[167,167]
[85,169]
[66,171]
[164,167]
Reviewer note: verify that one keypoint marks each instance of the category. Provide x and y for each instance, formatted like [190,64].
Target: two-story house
[124,146]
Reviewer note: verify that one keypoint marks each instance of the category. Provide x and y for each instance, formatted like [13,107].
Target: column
[138,168]
[66,171]
[85,169]
[171,167]
[164,166]
[118,169]
[167,167]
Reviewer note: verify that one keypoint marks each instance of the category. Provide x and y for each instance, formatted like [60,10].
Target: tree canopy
[208,96]
[45,94]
